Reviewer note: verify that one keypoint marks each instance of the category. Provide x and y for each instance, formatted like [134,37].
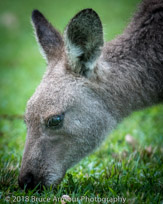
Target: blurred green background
[22,65]
[21,69]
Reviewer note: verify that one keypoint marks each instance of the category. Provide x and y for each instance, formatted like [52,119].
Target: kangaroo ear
[48,37]
[83,38]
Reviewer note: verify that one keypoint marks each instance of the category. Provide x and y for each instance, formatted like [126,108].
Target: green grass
[117,168]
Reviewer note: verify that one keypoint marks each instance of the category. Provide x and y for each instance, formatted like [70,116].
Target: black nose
[27,181]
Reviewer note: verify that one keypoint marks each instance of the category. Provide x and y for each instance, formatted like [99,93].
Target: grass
[119,168]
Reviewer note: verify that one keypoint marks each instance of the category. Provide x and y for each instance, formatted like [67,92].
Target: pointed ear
[83,40]
[48,37]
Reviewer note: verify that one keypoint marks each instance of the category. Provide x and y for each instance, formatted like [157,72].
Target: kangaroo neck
[128,82]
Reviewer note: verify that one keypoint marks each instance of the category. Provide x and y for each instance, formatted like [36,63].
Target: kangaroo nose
[27,180]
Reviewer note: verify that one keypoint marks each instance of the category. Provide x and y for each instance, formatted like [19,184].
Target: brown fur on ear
[83,40]
[48,37]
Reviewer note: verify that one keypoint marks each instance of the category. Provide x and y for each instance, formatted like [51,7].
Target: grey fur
[127,75]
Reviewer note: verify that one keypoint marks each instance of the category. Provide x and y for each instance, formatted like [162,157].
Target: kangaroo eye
[55,121]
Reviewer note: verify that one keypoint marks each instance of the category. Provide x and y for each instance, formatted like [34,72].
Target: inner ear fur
[83,38]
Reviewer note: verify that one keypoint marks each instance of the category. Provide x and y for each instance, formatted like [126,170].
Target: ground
[128,165]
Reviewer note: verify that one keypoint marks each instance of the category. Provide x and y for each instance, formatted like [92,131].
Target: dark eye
[55,121]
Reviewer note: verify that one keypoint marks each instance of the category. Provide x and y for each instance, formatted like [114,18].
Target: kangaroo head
[66,117]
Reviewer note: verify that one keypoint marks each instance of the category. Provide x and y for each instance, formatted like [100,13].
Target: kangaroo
[89,86]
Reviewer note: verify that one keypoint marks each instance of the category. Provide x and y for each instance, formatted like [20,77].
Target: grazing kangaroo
[89,86]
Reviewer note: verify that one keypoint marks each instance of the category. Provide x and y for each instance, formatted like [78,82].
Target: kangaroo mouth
[31,182]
